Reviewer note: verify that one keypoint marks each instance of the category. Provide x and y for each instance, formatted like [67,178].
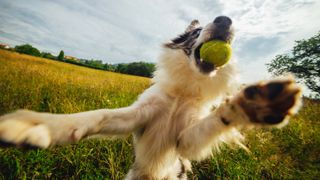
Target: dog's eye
[196,32]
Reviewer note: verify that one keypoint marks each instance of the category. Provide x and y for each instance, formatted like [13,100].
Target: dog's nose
[222,21]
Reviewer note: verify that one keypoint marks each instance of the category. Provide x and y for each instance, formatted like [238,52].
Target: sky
[126,31]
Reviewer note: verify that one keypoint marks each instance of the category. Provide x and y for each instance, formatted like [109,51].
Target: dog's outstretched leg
[33,129]
[263,104]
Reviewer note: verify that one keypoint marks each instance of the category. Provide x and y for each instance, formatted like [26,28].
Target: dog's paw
[23,129]
[270,103]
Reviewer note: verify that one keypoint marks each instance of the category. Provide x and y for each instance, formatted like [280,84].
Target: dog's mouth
[205,67]
[221,30]
[197,53]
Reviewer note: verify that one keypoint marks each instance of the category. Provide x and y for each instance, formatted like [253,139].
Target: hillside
[50,86]
[47,85]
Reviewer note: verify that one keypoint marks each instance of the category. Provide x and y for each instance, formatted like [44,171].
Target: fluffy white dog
[172,122]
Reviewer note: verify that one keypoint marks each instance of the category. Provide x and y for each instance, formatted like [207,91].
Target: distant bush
[109,67]
[27,49]
[136,68]
[47,55]
[97,64]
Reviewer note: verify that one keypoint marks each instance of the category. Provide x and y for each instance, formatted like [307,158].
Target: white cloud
[276,23]
[110,30]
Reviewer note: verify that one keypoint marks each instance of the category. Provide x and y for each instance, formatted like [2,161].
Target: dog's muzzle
[221,30]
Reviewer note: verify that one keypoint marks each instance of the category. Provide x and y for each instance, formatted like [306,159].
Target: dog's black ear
[187,39]
[193,25]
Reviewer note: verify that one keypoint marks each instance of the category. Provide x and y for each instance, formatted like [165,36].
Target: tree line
[303,61]
[135,68]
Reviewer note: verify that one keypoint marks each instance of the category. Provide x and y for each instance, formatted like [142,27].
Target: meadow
[26,82]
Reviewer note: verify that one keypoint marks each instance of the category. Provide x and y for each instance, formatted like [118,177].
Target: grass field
[45,85]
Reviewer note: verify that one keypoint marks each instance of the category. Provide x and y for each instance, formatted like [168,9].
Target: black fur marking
[182,171]
[186,36]
[187,51]
[6,144]
[273,119]
[197,54]
[184,41]
[181,38]
[178,143]
[140,132]
[24,146]
[225,121]
[206,67]
[27,146]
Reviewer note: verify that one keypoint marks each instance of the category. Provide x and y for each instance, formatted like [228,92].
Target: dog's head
[194,36]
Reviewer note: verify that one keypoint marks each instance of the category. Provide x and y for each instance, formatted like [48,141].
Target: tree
[303,62]
[136,68]
[109,67]
[27,49]
[121,68]
[61,56]
[47,55]
[141,69]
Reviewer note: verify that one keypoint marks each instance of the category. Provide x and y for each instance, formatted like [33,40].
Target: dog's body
[172,121]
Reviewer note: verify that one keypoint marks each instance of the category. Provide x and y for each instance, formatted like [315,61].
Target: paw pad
[271,102]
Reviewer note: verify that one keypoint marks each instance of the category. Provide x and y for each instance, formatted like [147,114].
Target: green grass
[292,152]
[44,85]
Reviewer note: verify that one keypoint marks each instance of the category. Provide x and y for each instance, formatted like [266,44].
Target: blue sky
[126,31]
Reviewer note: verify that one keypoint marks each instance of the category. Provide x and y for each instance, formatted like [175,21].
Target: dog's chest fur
[187,95]
[155,143]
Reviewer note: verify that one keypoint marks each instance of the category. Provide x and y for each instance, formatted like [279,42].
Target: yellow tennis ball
[216,52]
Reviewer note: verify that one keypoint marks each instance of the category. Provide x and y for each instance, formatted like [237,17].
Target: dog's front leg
[195,143]
[28,128]
[263,104]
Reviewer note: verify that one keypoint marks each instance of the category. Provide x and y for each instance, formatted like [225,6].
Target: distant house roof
[71,58]
[6,46]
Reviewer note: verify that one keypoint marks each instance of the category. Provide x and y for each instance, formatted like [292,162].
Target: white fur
[172,121]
